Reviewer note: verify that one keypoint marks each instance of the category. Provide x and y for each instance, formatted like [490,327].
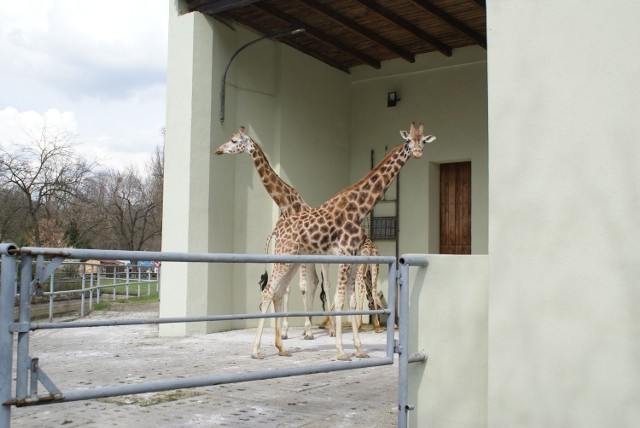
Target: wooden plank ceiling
[347,33]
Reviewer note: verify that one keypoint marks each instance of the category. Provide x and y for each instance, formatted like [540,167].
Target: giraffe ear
[428,138]
[241,130]
[405,135]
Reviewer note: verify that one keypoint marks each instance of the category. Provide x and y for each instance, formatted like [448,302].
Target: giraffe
[334,228]
[289,201]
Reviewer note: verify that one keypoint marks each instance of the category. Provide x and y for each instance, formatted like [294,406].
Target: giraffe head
[238,143]
[415,139]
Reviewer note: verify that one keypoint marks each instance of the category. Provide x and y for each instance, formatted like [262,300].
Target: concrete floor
[108,356]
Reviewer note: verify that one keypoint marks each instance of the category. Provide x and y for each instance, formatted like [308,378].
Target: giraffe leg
[327,288]
[285,320]
[360,287]
[274,291]
[343,279]
[307,298]
[277,307]
[377,304]
[267,298]
[354,328]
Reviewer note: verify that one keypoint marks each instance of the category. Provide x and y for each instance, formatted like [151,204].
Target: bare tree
[12,214]
[132,210]
[44,170]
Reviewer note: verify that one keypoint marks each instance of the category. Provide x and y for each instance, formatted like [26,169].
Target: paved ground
[107,356]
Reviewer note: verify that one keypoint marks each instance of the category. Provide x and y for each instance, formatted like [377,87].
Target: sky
[95,69]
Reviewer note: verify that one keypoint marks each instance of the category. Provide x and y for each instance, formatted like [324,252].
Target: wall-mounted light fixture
[273,35]
[392,99]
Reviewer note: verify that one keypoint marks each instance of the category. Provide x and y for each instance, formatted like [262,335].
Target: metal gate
[45,260]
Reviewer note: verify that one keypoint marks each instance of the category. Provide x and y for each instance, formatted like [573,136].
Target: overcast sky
[97,69]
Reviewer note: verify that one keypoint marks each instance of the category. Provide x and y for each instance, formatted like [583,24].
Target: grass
[141,299]
[102,306]
[106,305]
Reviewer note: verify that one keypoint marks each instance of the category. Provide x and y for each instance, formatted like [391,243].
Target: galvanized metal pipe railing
[77,253]
[24,325]
[7,302]
[406,261]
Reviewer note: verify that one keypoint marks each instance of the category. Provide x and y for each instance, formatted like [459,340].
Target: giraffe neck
[286,197]
[361,197]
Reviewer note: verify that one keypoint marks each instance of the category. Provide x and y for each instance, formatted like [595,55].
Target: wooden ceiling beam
[329,61]
[452,22]
[291,42]
[213,7]
[406,25]
[314,32]
[357,28]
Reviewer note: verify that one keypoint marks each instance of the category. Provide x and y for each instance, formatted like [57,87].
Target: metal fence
[88,283]
[46,260]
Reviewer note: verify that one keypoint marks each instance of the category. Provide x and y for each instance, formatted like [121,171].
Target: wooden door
[455,208]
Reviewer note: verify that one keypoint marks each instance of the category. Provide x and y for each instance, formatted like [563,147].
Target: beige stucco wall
[448,94]
[448,321]
[317,125]
[193,220]
[560,285]
[294,107]
[564,323]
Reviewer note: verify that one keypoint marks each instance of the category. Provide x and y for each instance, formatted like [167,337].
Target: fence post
[7,301]
[115,283]
[99,289]
[52,290]
[91,290]
[23,362]
[82,294]
[404,407]
[126,269]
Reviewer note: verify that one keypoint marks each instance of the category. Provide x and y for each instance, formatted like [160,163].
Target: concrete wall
[448,321]
[564,324]
[193,219]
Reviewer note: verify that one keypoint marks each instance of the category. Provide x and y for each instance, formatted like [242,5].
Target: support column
[198,194]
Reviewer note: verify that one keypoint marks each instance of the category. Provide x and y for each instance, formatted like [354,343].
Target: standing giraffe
[290,202]
[334,228]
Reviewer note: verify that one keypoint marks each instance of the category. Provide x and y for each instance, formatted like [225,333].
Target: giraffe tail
[264,278]
[323,295]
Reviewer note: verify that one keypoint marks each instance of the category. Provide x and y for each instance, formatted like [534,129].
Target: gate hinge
[19,327]
[397,349]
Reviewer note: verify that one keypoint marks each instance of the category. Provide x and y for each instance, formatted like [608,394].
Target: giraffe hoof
[284,336]
[284,353]
[362,354]
[257,356]
[343,357]
[332,334]
[309,336]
